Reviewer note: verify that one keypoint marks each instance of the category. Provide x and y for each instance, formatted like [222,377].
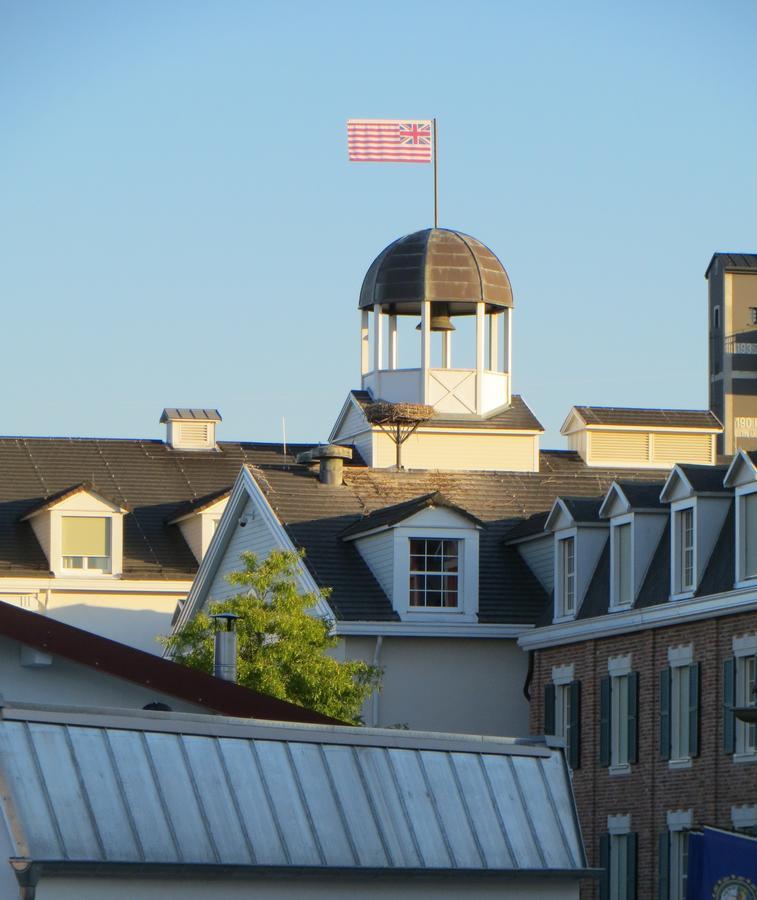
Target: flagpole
[436,183]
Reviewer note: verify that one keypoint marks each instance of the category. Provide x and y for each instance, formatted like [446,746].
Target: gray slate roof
[111,787]
[653,418]
[517,417]
[740,262]
[199,415]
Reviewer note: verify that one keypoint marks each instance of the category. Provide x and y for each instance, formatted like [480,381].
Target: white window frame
[562,581]
[680,589]
[615,592]
[619,670]
[679,824]
[746,684]
[680,660]
[742,578]
[433,573]
[619,830]
[87,568]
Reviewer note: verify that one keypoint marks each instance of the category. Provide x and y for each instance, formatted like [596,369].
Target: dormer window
[85,543]
[434,572]
[747,525]
[622,565]
[684,537]
[567,577]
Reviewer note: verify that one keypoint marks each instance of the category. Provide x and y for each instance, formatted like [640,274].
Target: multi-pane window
[685,522]
[618,719]
[434,573]
[618,860]
[86,543]
[623,564]
[749,535]
[567,576]
[746,695]
[679,712]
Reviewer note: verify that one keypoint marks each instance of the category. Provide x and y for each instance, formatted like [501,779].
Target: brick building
[647,644]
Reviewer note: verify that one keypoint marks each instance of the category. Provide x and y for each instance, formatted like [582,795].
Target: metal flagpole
[436,184]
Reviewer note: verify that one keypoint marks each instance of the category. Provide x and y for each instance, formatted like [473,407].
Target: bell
[440,320]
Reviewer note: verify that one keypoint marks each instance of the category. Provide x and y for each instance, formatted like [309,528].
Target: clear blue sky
[180,226]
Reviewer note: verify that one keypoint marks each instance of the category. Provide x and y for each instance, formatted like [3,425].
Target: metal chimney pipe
[225,651]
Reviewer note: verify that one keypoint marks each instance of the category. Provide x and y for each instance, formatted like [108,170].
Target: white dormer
[190,429]
[424,554]
[198,521]
[742,478]
[637,522]
[699,505]
[580,539]
[80,532]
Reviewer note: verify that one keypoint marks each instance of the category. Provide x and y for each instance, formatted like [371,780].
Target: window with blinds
[85,543]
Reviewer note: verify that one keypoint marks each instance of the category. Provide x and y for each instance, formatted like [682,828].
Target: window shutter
[604,722]
[664,866]
[604,865]
[549,708]
[729,698]
[633,717]
[631,867]
[694,676]
[574,726]
[665,677]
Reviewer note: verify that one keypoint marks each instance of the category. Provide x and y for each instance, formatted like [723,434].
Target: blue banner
[722,866]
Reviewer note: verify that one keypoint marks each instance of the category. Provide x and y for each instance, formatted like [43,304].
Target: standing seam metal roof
[103,786]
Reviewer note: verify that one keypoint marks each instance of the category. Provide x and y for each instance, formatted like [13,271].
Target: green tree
[281,647]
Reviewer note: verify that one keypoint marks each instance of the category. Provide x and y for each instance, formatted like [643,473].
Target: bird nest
[383,413]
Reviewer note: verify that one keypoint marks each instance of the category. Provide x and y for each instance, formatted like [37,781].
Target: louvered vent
[679,448]
[193,435]
[619,445]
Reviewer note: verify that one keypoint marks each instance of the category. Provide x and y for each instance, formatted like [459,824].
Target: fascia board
[106,584]
[445,429]
[431,629]
[670,612]
[675,429]
[614,492]
[568,425]
[558,509]
[109,505]
[741,460]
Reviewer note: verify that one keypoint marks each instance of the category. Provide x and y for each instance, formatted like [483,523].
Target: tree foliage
[281,647]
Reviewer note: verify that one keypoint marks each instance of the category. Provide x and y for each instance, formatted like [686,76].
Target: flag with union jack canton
[390,140]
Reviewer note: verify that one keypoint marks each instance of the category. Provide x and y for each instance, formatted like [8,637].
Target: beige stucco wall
[286,889]
[470,685]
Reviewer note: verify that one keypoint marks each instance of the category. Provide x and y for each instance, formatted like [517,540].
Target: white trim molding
[431,629]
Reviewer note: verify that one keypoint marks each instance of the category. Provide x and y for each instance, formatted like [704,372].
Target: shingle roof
[642,496]
[733,262]
[653,418]
[517,417]
[583,509]
[391,515]
[706,479]
[316,517]
[148,478]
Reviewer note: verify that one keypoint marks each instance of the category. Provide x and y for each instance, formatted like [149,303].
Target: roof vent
[331,458]
[191,429]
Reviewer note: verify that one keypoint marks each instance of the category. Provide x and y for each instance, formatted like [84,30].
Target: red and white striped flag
[390,140]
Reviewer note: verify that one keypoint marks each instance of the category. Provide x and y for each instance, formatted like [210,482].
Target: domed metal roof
[436,264]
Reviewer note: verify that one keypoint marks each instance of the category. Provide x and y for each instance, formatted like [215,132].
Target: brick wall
[712,785]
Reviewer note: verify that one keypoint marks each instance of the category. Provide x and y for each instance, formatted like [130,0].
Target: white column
[509,352]
[480,344]
[425,347]
[378,338]
[446,349]
[494,342]
[392,342]
[365,347]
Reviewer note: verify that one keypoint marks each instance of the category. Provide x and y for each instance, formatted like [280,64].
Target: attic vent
[193,434]
[676,448]
[620,445]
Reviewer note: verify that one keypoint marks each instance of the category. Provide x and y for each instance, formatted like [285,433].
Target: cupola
[190,429]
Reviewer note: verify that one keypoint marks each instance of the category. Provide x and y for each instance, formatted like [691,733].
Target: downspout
[529,676]
[375,664]
[27,875]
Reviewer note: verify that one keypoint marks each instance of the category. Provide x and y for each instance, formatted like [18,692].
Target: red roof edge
[139,667]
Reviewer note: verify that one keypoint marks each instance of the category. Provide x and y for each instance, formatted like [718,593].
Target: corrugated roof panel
[282,796]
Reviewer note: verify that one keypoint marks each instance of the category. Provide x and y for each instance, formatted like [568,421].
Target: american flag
[390,140]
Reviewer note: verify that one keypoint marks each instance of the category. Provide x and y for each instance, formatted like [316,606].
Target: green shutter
[664,867]
[631,844]
[549,708]
[633,717]
[574,726]
[729,699]
[665,677]
[694,677]
[604,722]
[604,865]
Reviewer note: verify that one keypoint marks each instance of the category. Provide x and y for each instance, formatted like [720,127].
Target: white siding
[191,530]
[353,423]
[461,451]
[363,443]
[254,537]
[539,557]
[378,551]
[41,526]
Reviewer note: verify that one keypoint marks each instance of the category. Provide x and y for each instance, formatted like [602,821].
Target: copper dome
[436,264]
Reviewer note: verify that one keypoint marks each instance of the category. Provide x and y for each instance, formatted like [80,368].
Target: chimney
[190,429]
[331,458]
[225,655]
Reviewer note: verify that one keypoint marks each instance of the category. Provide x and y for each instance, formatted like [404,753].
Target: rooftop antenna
[284,433]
